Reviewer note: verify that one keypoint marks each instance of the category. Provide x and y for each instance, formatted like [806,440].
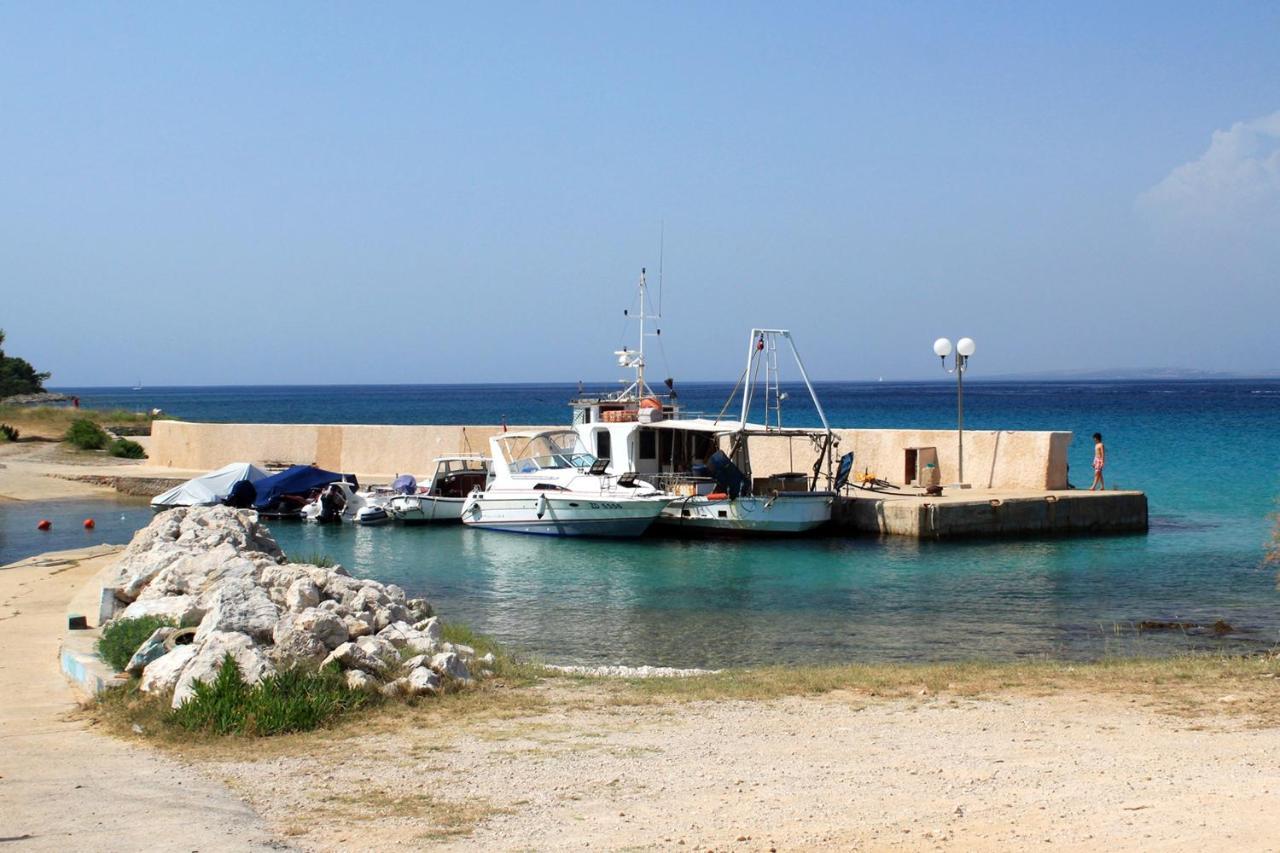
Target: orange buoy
[44,524]
[88,524]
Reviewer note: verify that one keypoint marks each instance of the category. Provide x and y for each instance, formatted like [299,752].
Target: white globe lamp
[942,347]
[964,346]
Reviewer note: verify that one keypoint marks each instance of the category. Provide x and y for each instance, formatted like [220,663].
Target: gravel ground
[1067,771]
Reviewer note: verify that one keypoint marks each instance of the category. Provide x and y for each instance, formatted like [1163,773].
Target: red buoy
[44,524]
[88,524]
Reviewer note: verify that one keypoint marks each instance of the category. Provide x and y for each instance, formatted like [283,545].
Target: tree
[17,376]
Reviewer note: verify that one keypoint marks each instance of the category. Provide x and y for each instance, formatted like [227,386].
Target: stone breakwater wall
[995,459]
[220,575]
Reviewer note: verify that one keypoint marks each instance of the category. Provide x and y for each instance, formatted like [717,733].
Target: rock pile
[218,571]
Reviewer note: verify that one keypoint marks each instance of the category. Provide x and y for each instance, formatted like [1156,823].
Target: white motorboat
[707,462]
[547,483]
[455,477]
[341,502]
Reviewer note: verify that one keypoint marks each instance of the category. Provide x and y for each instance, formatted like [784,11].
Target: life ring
[718,496]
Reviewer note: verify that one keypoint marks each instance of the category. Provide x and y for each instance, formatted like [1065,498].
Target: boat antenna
[662,238]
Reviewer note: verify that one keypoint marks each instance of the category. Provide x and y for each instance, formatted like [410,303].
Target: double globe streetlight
[963,349]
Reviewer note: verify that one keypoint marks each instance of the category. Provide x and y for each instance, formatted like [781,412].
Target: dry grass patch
[445,818]
[1186,685]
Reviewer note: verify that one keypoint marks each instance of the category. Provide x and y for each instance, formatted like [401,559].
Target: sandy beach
[573,763]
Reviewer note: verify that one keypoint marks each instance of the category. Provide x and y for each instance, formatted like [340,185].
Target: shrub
[296,700]
[126,449]
[121,638]
[8,433]
[86,435]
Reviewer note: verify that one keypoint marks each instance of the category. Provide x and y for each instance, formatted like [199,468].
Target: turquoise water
[1205,452]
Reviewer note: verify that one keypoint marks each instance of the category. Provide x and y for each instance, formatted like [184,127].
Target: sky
[248,193]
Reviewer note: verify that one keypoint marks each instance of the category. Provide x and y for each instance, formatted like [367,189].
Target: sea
[1205,452]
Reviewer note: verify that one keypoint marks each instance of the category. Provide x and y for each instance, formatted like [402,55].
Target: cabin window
[604,444]
[648,445]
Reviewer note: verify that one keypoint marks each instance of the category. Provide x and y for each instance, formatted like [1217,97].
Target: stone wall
[993,459]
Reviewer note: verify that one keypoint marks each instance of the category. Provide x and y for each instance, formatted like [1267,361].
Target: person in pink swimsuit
[1099,461]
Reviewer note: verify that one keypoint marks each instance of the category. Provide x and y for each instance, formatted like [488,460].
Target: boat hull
[426,509]
[786,513]
[562,516]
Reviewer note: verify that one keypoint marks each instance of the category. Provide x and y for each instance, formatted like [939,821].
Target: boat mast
[635,360]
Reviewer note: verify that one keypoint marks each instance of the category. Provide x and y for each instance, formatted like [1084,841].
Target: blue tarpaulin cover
[405,484]
[297,480]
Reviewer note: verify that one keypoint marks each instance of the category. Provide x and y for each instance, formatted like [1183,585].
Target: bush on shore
[126,449]
[8,433]
[121,638]
[295,700]
[86,435]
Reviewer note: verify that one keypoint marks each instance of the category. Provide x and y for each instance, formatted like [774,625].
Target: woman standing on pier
[1099,461]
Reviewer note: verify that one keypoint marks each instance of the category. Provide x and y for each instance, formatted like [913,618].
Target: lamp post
[964,348]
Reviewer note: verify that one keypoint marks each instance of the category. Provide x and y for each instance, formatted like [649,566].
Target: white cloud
[1236,182]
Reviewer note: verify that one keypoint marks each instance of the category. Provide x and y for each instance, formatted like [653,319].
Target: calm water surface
[1205,452]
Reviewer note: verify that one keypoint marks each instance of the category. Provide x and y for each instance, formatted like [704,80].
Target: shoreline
[979,756]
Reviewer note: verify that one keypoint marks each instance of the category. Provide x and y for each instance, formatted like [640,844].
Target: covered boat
[212,488]
[284,494]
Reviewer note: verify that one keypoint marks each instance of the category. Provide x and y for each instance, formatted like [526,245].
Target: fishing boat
[727,475]
[547,483]
[441,500]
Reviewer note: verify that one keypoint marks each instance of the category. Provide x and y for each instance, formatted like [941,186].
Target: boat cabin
[456,476]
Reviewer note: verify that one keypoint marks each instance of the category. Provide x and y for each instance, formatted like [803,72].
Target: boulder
[296,647]
[432,628]
[303,593]
[419,609]
[329,628]
[358,679]
[399,633]
[351,656]
[208,654]
[394,593]
[183,609]
[396,688]
[379,647]
[389,615]
[192,574]
[151,649]
[162,674]
[357,627]
[422,681]
[416,661]
[237,605]
[451,665]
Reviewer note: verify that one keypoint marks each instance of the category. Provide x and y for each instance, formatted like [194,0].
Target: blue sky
[307,192]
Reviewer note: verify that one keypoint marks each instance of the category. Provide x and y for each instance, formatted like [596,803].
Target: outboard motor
[729,477]
[331,506]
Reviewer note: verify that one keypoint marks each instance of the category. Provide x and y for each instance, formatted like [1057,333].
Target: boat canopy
[298,480]
[209,489]
[528,452]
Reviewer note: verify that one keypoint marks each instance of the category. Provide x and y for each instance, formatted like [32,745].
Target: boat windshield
[563,449]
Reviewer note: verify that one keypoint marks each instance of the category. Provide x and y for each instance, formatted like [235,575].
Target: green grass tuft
[324,561]
[121,638]
[295,700]
[8,433]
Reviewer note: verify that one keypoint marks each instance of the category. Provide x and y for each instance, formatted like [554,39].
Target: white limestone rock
[358,679]
[419,609]
[208,656]
[394,689]
[379,648]
[350,656]
[416,661]
[422,681]
[451,665]
[329,628]
[357,627]
[238,605]
[183,609]
[431,627]
[303,593]
[162,674]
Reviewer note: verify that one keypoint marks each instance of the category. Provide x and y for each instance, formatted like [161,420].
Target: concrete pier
[962,513]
